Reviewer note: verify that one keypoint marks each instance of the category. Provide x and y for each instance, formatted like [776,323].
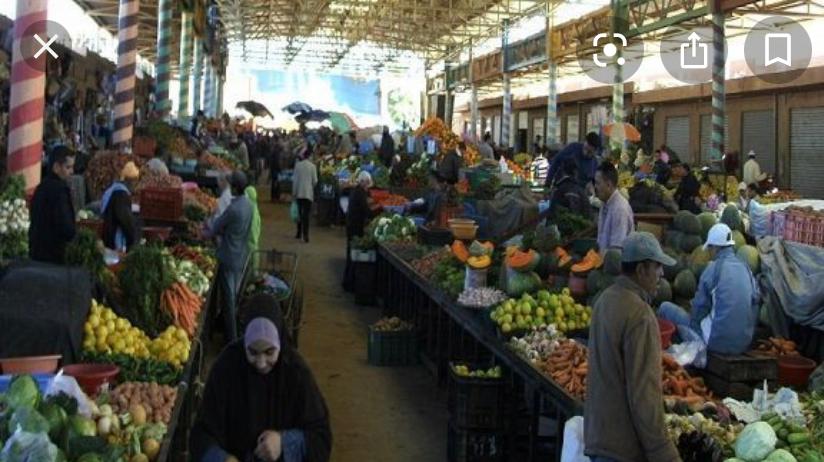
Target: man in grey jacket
[303,191]
[233,229]
[624,407]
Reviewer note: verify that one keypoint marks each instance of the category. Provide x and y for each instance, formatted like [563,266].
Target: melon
[612,262]
[689,242]
[663,293]
[685,284]
[687,222]
[707,220]
[698,261]
[739,239]
[674,238]
[521,283]
[732,218]
[671,271]
[749,255]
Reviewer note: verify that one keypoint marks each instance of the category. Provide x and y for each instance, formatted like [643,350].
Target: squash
[564,258]
[459,251]
[591,260]
[481,262]
[510,250]
[523,261]
[489,246]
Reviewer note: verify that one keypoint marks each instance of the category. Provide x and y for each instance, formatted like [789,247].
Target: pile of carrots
[678,384]
[393,200]
[567,366]
[776,346]
[182,305]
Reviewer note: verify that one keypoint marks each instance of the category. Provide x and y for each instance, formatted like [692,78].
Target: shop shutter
[496,129]
[806,147]
[538,129]
[678,135]
[705,137]
[571,129]
[758,134]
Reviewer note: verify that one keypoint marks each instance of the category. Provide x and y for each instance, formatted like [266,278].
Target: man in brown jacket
[624,409]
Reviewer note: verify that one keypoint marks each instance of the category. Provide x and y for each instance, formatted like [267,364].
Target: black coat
[569,194]
[687,191]
[52,220]
[387,150]
[450,167]
[358,213]
[119,214]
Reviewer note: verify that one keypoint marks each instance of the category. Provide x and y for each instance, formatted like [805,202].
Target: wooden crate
[742,391]
[742,368]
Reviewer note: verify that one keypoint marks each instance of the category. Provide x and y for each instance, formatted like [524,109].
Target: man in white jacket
[752,171]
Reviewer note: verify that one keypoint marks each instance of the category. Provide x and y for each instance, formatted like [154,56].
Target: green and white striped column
[718,84]
[473,102]
[209,89]
[618,95]
[164,40]
[185,65]
[506,113]
[126,66]
[197,76]
[219,98]
[552,91]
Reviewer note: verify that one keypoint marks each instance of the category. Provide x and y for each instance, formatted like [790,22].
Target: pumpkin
[481,262]
[459,251]
[591,261]
[523,261]
[564,258]
[511,250]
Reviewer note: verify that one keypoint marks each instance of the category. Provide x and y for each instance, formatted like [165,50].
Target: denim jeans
[229,282]
[676,315]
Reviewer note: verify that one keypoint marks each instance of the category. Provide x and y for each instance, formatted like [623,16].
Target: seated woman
[429,206]
[261,402]
[360,211]
[120,227]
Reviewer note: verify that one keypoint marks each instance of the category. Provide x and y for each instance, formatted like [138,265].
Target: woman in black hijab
[261,402]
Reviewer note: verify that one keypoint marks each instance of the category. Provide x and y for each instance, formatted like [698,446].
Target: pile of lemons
[105,332]
[172,346]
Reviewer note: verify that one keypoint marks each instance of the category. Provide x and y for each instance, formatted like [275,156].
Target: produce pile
[104,168]
[520,275]
[146,402]
[152,179]
[778,197]
[532,312]
[463,370]
[477,257]
[481,297]
[87,251]
[14,219]
[537,345]
[417,175]
[392,324]
[392,200]
[437,129]
[392,228]
[775,346]
[213,162]
[204,259]
[425,265]
[678,384]
[567,366]
[448,275]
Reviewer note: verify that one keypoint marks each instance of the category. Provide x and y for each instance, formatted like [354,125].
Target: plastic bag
[475,278]
[573,449]
[691,351]
[24,447]
[68,385]
[293,211]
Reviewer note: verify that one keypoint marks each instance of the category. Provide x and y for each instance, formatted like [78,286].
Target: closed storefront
[677,135]
[806,148]
[571,129]
[706,138]
[758,135]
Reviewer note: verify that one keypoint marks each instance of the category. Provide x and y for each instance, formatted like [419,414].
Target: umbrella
[341,122]
[312,116]
[297,107]
[622,131]
[254,108]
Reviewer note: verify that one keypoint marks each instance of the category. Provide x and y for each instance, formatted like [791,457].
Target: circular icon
[778,50]
[687,54]
[605,55]
[39,43]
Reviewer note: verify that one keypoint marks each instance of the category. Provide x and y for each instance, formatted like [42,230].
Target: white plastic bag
[692,350]
[68,385]
[573,449]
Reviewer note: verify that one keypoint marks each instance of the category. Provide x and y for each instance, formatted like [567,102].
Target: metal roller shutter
[806,146]
[758,134]
[678,135]
[571,129]
[705,137]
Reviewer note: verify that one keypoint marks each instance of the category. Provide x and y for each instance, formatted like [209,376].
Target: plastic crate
[164,204]
[474,445]
[475,403]
[392,348]
[144,146]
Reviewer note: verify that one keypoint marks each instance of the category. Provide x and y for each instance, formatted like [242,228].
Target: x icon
[46,46]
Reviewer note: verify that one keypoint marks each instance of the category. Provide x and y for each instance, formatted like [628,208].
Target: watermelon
[685,284]
[698,261]
[749,255]
[732,218]
[739,239]
[689,242]
[671,271]
[612,262]
[664,292]
[687,222]
[521,283]
[707,220]
[674,238]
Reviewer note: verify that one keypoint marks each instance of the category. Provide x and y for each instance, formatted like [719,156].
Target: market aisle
[378,414]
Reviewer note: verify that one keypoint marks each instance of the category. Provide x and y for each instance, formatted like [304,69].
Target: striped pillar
[27,96]
[185,65]
[506,116]
[618,95]
[197,75]
[474,113]
[126,64]
[219,98]
[718,83]
[552,91]
[164,36]
[208,90]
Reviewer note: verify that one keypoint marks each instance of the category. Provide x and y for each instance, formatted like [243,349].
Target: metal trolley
[283,265]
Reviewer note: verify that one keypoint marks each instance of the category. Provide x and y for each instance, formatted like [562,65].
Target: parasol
[341,122]
[312,116]
[621,131]
[297,107]
[254,108]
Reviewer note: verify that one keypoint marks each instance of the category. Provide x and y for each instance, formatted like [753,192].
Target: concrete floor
[378,414]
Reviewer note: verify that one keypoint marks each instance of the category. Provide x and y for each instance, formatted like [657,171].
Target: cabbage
[82,426]
[780,455]
[26,447]
[55,416]
[755,442]
[23,392]
[28,420]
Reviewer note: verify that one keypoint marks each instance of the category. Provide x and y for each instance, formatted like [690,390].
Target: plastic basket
[392,348]
[144,146]
[164,204]
[465,445]
[475,403]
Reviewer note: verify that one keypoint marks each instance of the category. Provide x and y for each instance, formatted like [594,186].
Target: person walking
[387,149]
[303,191]
[275,148]
[624,410]
[52,213]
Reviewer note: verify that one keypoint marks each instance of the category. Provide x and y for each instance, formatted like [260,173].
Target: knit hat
[261,329]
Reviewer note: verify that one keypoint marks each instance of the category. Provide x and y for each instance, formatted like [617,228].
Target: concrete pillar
[197,76]
[185,65]
[718,83]
[126,66]
[164,35]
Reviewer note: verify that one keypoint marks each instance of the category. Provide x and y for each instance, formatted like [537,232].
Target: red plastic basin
[30,364]
[795,370]
[667,329]
[91,377]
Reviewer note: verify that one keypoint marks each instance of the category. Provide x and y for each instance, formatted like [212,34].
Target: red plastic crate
[164,204]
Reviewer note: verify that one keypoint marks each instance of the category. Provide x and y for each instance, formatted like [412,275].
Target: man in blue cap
[624,410]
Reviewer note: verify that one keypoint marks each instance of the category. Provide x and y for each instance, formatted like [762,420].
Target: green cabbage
[23,392]
[755,442]
[28,420]
[55,416]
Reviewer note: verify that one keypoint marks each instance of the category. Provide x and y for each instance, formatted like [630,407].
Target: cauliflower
[756,442]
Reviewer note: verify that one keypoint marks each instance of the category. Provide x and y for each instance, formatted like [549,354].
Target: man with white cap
[752,171]
[623,410]
[725,306]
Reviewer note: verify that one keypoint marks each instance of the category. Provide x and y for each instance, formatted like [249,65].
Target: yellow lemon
[94,320]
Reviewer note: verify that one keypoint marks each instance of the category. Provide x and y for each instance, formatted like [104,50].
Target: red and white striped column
[126,66]
[27,96]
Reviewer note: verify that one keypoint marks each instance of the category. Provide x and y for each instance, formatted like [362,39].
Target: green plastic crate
[392,348]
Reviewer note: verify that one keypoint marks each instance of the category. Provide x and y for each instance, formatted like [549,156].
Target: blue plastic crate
[42,380]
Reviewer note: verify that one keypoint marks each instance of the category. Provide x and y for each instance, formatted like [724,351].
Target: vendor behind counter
[120,226]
